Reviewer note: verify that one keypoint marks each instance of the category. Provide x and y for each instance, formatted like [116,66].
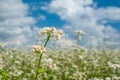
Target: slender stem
[47,39]
[38,66]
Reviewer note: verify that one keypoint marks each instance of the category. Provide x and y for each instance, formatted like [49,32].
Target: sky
[100,19]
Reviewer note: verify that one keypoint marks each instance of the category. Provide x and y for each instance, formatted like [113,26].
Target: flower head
[49,61]
[50,64]
[57,34]
[47,30]
[79,32]
[39,49]
[82,49]
[114,66]
[2,45]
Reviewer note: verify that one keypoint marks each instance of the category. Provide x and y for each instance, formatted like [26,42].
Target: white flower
[79,32]
[52,31]
[58,34]
[47,30]
[50,64]
[115,77]
[38,49]
[107,78]
[2,45]
[81,57]
[114,66]
[49,61]
[83,49]
[1,66]
[117,65]
[111,65]
[43,32]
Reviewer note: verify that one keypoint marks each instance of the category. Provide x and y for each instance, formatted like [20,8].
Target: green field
[73,64]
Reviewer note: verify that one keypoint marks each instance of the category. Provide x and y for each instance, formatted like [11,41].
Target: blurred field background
[73,64]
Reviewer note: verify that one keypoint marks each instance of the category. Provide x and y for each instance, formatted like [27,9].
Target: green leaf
[4,73]
[41,70]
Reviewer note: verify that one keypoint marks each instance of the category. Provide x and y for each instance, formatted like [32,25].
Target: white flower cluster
[50,64]
[2,45]
[83,49]
[114,66]
[52,31]
[79,32]
[1,66]
[38,49]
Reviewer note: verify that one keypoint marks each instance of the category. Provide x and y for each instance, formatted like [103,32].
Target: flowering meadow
[44,63]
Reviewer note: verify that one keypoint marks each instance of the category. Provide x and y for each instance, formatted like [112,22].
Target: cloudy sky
[100,19]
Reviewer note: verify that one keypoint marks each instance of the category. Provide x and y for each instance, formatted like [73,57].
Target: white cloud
[14,23]
[79,14]
[65,43]
[108,13]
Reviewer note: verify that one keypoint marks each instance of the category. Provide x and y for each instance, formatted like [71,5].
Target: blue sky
[54,20]
[51,19]
[107,3]
[98,18]
[110,3]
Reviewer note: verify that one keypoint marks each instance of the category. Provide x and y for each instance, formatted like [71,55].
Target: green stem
[47,39]
[38,66]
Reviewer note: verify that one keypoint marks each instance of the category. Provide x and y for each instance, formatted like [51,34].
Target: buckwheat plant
[79,51]
[50,32]
[79,33]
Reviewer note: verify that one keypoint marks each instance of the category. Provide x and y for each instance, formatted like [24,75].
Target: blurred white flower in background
[80,32]
[83,49]
[38,49]
[114,66]
[50,64]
